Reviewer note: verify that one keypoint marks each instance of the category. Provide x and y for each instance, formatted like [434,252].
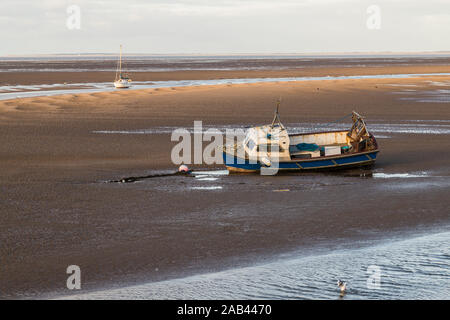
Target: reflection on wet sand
[409,269]
[23,91]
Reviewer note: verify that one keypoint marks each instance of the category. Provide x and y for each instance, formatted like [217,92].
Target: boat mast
[120,62]
[277,115]
[119,65]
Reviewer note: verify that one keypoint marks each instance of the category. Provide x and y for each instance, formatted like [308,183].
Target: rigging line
[312,125]
[340,119]
[334,121]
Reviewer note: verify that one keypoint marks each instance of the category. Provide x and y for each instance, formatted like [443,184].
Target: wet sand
[87,70]
[51,77]
[57,209]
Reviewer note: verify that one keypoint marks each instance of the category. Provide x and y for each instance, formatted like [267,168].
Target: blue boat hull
[343,161]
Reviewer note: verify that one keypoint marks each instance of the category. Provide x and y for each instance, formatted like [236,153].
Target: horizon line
[234,54]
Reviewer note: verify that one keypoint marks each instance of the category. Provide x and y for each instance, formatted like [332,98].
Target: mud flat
[53,70]
[58,152]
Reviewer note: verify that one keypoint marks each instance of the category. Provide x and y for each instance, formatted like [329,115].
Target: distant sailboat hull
[122,84]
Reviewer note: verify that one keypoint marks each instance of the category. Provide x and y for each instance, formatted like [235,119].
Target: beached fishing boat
[271,146]
[122,80]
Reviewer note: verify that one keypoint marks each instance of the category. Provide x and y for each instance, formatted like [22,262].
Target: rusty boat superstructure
[270,146]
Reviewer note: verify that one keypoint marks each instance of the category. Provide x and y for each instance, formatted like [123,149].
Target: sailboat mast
[119,65]
[277,115]
[120,61]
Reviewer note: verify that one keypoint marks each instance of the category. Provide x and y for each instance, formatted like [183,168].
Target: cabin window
[270,148]
[251,144]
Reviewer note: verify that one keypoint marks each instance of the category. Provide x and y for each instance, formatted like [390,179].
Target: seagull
[342,285]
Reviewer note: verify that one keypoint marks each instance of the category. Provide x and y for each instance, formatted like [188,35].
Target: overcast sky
[224,26]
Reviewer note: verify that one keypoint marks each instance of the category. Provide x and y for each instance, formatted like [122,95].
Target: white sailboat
[122,80]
